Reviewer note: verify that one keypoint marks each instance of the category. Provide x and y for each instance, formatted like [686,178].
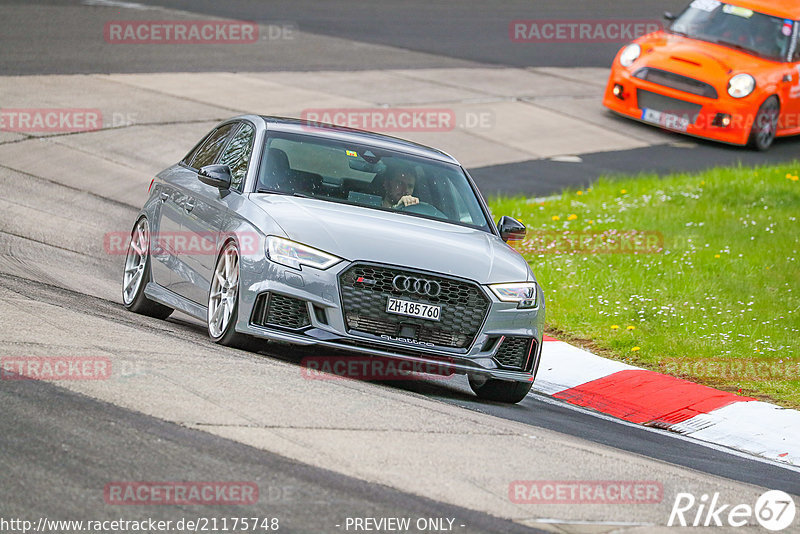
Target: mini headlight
[523,293]
[295,255]
[741,85]
[630,54]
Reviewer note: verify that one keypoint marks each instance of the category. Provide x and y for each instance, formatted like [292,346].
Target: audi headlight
[523,293]
[295,255]
[630,54]
[741,85]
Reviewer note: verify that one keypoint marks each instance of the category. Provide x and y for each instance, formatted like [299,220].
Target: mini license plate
[413,309]
[670,121]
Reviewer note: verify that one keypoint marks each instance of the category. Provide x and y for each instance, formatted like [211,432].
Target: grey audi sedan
[285,230]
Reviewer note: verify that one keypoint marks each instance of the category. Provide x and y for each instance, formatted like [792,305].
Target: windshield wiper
[279,192]
[275,191]
[678,32]
[737,46]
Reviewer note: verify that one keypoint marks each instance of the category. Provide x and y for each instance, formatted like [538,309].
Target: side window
[237,155]
[208,152]
[796,44]
[190,156]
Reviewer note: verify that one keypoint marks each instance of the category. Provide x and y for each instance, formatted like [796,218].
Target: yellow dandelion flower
[716,255]
[556,217]
[572,217]
[702,182]
[591,221]
[795,178]
[614,326]
[631,327]
[634,349]
[579,193]
[623,191]
[788,176]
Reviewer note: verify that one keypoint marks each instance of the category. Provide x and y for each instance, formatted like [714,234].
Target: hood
[694,58]
[356,233]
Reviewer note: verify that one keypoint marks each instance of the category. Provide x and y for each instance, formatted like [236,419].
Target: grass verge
[694,275]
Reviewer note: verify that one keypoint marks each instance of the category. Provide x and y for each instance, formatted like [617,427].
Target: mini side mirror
[216,176]
[669,17]
[511,229]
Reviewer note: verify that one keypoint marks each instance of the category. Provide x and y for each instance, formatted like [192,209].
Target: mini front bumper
[741,112]
[319,290]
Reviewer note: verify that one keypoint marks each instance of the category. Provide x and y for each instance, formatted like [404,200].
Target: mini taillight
[151,185]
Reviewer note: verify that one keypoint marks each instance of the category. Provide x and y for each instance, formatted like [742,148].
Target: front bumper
[706,112]
[323,323]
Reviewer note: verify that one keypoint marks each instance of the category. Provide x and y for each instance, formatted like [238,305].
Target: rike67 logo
[774,510]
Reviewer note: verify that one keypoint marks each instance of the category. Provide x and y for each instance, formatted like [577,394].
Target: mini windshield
[736,27]
[376,178]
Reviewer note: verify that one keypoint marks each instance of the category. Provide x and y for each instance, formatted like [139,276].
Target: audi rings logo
[420,286]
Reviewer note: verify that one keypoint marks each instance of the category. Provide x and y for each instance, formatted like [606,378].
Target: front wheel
[765,125]
[137,274]
[223,300]
[492,389]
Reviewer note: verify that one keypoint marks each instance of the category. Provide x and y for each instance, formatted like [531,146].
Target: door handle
[188,205]
[164,196]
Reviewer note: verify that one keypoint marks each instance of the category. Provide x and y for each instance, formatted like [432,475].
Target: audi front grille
[366,288]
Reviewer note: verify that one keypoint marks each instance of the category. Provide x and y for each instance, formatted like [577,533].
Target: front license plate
[413,309]
[670,121]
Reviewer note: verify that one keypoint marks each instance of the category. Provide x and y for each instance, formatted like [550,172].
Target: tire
[762,133]
[136,274]
[223,300]
[500,390]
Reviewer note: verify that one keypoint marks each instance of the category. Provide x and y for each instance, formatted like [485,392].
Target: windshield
[330,170]
[737,27]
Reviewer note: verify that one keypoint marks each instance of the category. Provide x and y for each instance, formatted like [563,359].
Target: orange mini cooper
[728,71]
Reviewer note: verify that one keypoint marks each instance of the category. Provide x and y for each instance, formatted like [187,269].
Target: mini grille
[676,81]
[272,309]
[650,100]
[367,288]
[514,352]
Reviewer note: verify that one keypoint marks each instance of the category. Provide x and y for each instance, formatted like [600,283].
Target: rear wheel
[223,300]
[137,274]
[499,390]
[765,126]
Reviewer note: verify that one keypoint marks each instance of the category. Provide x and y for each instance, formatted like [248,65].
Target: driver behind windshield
[399,181]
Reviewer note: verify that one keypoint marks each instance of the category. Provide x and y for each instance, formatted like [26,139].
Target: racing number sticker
[705,5]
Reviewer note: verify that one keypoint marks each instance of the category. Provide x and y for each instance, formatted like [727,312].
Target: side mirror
[510,229]
[669,17]
[218,176]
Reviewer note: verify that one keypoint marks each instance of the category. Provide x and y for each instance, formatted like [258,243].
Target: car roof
[352,135]
[788,9]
